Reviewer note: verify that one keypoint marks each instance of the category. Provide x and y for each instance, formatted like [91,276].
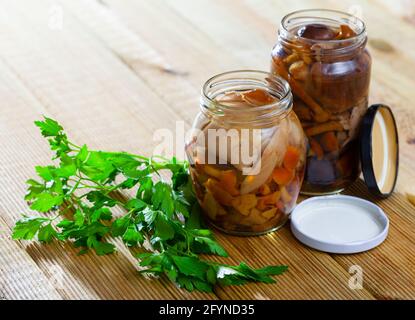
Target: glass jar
[322,54]
[247,152]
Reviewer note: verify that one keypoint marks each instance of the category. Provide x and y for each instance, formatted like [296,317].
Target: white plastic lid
[339,224]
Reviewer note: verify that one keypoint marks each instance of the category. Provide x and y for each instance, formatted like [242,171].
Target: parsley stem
[162,246]
[87,179]
[118,153]
[74,145]
[113,188]
[61,213]
[74,187]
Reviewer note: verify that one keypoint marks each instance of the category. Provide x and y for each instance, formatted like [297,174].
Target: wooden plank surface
[118,70]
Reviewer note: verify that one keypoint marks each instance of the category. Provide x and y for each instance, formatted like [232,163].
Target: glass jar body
[330,83]
[255,195]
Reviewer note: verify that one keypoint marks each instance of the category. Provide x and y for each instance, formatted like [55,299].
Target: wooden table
[112,72]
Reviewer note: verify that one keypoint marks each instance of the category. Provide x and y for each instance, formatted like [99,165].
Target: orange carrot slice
[291,158]
[282,176]
[329,142]
[268,200]
[220,195]
[258,97]
[228,182]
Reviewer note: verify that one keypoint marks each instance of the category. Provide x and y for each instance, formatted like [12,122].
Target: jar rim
[252,79]
[359,23]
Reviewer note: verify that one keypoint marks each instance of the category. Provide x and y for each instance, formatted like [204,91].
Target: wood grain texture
[117,71]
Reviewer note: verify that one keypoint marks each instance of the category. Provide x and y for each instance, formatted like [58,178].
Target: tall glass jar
[247,152]
[323,56]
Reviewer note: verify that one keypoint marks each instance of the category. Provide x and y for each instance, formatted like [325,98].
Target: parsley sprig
[78,195]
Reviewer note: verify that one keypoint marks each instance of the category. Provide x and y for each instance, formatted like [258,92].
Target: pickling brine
[323,56]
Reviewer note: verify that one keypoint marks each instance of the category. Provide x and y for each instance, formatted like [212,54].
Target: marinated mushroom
[328,70]
[316,32]
[240,202]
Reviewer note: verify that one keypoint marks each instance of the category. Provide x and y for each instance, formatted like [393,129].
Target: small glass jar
[247,152]
[322,54]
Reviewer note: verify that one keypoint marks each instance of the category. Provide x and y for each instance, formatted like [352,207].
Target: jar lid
[379,150]
[339,224]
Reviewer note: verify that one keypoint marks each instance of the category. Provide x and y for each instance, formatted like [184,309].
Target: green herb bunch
[78,195]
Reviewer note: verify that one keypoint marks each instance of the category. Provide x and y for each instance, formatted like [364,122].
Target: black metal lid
[379,150]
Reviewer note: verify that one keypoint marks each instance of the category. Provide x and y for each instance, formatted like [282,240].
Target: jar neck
[246,116]
[288,33]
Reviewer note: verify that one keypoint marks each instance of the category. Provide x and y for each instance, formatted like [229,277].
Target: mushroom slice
[232,98]
[272,156]
[258,97]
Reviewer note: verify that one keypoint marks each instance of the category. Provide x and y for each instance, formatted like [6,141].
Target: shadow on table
[89,276]
[359,189]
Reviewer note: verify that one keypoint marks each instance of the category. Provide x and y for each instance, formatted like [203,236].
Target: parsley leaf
[46,233]
[27,228]
[49,127]
[162,198]
[46,201]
